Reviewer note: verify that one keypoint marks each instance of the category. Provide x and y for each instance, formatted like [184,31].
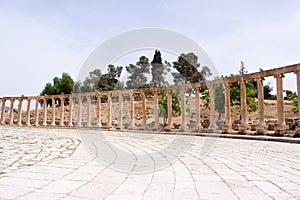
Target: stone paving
[40,163]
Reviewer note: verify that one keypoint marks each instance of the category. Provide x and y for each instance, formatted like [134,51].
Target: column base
[227,128]
[212,128]
[168,128]
[260,129]
[280,129]
[242,129]
[297,129]
[198,128]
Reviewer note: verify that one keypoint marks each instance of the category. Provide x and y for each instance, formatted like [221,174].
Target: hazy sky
[42,39]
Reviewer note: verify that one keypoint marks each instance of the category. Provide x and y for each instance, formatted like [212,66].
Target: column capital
[278,75]
[297,71]
[260,78]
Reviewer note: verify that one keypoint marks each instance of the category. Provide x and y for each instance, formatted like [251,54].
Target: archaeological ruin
[139,109]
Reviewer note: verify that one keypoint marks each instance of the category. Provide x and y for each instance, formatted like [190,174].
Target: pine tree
[137,78]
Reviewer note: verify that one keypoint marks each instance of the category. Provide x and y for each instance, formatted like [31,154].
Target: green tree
[63,85]
[163,104]
[91,82]
[137,78]
[108,81]
[294,98]
[242,69]
[159,70]
[219,99]
[251,92]
[267,90]
[187,65]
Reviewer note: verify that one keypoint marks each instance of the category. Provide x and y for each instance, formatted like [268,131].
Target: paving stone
[54,164]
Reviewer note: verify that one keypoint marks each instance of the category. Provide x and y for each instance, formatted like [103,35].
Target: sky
[41,39]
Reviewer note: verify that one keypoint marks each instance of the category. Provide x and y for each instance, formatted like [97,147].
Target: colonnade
[90,105]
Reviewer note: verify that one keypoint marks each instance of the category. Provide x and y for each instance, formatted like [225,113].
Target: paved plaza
[41,163]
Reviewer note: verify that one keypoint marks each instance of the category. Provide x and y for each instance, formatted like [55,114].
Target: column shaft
[228,124]
[11,112]
[183,110]
[28,112]
[280,128]
[243,125]
[212,112]
[88,102]
[144,110]
[3,111]
[98,110]
[62,111]
[169,110]
[298,93]
[20,111]
[156,110]
[36,112]
[197,110]
[45,112]
[261,110]
[79,110]
[53,111]
[109,103]
[70,110]
[120,117]
[132,110]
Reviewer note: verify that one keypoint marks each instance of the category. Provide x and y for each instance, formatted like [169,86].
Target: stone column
[3,111]
[132,111]
[120,117]
[11,112]
[280,127]
[53,111]
[156,110]
[45,111]
[199,126]
[109,102]
[243,125]
[36,112]
[70,123]
[169,110]
[88,102]
[260,128]
[62,111]
[28,112]
[20,111]
[183,110]
[212,112]
[144,120]
[228,124]
[79,98]
[298,93]
[98,110]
